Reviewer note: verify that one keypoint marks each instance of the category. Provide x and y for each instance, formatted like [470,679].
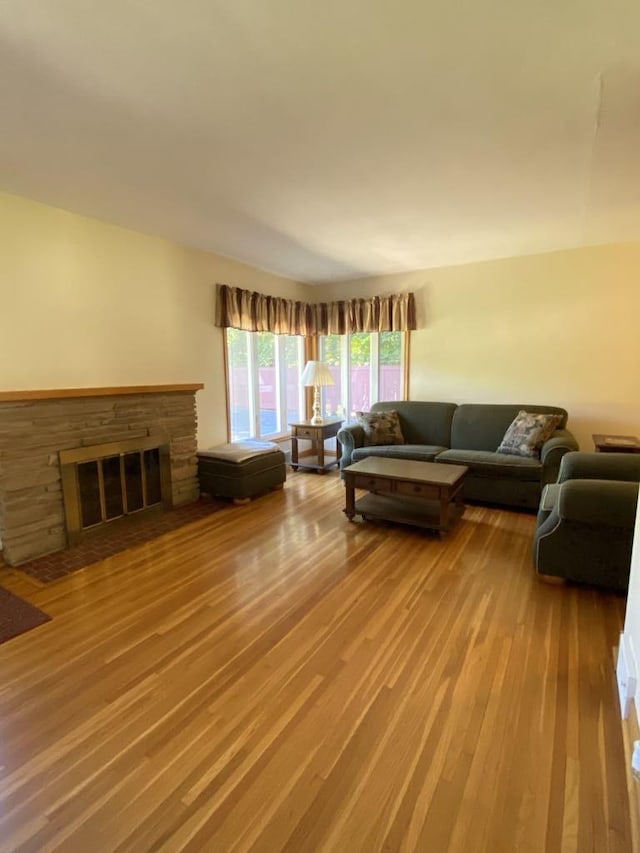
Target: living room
[109,276]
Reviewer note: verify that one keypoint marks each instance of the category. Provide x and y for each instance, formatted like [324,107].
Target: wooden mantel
[114,391]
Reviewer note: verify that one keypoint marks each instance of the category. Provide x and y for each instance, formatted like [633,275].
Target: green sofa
[469,434]
[586,520]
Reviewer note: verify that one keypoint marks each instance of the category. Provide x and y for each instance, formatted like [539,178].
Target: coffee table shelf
[411,511]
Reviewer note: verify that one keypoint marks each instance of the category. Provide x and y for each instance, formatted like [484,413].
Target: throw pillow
[380,428]
[527,433]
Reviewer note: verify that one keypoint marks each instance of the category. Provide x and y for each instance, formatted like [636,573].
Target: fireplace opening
[104,483]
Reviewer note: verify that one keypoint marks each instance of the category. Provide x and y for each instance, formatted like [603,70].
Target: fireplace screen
[106,482]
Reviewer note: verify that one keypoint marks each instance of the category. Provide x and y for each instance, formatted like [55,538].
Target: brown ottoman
[241,470]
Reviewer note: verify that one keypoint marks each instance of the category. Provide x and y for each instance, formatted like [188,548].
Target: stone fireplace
[73,459]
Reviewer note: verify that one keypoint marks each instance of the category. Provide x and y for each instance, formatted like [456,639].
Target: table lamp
[316,373]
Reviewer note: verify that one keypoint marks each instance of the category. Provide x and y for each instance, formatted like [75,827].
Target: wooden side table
[616,443]
[317,434]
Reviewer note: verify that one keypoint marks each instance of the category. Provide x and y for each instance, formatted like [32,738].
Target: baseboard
[627,678]
[631,733]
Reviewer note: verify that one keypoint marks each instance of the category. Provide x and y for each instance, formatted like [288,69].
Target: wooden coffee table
[423,494]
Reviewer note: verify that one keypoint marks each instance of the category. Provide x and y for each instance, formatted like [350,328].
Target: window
[366,367]
[263,381]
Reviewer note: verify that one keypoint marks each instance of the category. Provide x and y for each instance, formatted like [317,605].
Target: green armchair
[586,519]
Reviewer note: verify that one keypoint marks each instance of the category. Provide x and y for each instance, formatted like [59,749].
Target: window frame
[253,386]
[308,348]
[374,375]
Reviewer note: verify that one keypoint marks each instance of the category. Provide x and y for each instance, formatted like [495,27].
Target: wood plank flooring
[274,678]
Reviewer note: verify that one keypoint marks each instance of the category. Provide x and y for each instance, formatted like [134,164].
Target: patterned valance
[256,312]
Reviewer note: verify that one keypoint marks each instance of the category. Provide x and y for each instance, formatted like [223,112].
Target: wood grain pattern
[107,391]
[273,678]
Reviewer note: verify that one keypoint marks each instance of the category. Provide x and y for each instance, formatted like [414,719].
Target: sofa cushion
[238,452]
[491,464]
[419,452]
[381,427]
[422,422]
[481,426]
[527,433]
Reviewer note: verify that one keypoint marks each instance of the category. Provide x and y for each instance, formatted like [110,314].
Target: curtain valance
[255,312]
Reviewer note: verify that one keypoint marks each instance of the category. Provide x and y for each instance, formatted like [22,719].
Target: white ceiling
[328,141]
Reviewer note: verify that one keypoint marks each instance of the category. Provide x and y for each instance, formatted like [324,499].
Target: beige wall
[560,328]
[84,303]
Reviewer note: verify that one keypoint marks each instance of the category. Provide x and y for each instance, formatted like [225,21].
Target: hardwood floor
[274,678]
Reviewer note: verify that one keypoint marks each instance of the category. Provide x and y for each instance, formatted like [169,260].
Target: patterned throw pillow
[528,433]
[380,428]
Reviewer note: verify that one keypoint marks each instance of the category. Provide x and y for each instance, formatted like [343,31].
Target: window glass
[366,367]
[294,393]
[360,372]
[267,384]
[391,367]
[263,383]
[333,396]
[239,385]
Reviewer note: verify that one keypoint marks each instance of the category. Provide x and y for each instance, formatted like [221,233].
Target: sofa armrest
[549,497]
[553,451]
[600,466]
[350,436]
[600,502]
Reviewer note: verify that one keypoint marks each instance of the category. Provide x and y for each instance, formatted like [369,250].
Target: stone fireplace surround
[36,425]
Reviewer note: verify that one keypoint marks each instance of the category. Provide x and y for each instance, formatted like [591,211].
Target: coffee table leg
[444,512]
[445,509]
[350,496]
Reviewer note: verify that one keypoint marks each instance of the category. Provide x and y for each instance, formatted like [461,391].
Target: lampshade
[316,373]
